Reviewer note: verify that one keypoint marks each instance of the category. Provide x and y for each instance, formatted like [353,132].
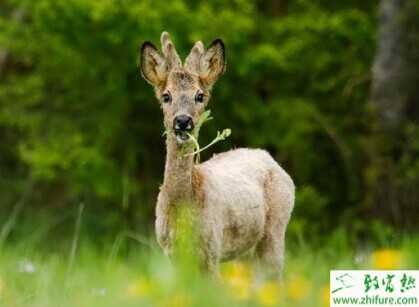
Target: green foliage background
[79,124]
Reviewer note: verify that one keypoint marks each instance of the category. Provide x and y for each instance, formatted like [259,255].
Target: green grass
[142,276]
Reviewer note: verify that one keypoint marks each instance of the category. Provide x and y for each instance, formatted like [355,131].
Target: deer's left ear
[212,63]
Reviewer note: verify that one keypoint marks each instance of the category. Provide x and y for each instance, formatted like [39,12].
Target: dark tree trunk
[392,88]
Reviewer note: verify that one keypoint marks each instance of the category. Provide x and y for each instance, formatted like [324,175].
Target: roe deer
[242,198]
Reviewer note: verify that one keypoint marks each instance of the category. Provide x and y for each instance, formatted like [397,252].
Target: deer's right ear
[153,67]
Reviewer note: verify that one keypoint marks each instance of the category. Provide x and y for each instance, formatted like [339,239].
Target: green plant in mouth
[194,144]
[221,136]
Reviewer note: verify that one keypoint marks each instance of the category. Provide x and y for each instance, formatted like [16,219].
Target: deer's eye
[199,97]
[166,98]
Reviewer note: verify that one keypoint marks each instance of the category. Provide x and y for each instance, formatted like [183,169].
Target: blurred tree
[394,87]
[392,76]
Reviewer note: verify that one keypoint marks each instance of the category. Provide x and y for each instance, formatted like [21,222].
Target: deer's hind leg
[279,197]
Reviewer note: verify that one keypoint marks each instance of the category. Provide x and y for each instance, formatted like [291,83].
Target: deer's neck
[178,172]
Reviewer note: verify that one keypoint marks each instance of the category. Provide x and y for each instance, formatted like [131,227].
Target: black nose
[183,122]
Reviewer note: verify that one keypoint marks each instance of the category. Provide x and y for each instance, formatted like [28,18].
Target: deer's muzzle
[182,125]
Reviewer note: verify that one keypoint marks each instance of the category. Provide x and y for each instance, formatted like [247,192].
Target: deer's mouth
[182,135]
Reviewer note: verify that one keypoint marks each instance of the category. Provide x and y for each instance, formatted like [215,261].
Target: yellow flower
[298,288]
[240,289]
[140,288]
[325,295]
[238,278]
[236,270]
[269,294]
[386,259]
[177,300]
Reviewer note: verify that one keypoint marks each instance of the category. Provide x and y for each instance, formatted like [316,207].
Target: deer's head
[183,90]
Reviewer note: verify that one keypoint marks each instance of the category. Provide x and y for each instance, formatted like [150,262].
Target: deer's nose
[183,123]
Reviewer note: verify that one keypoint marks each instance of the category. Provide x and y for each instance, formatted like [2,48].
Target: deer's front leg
[162,226]
[210,250]
[163,235]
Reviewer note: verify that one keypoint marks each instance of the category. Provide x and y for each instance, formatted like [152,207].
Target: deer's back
[239,168]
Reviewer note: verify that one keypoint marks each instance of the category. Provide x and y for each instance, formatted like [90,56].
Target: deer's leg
[210,263]
[280,201]
[210,245]
[270,251]
[162,227]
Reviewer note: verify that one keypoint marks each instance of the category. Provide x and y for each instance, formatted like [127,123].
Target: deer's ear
[153,67]
[212,63]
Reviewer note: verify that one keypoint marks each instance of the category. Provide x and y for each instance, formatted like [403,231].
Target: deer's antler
[169,51]
[192,60]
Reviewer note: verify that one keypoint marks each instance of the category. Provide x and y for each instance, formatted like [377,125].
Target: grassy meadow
[84,275]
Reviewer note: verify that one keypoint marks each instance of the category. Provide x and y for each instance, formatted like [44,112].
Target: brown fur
[198,187]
